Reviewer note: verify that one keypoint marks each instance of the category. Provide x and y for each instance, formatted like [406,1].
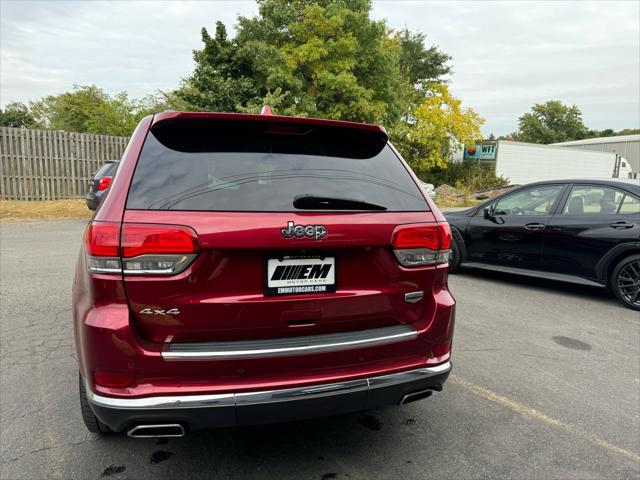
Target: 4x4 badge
[312,231]
[149,311]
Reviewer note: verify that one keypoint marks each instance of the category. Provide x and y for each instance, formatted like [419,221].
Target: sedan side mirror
[488,213]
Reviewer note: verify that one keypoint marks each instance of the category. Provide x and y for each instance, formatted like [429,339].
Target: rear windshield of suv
[201,167]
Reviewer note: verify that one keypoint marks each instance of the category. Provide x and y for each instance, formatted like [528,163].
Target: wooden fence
[51,165]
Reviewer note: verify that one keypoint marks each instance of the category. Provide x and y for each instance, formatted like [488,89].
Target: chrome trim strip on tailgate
[330,342]
[269,396]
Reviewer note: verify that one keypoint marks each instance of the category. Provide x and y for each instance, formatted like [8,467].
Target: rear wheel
[90,420]
[625,281]
[456,251]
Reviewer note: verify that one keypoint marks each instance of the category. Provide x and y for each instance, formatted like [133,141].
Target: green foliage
[329,59]
[70,111]
[420,65]
[90,109]
[551,122]
[628,131]
[322,58]
[609,132]
[16,114]
[222,79]
[469,175]
[438,126]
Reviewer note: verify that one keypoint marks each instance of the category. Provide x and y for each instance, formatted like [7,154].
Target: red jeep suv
[246,269]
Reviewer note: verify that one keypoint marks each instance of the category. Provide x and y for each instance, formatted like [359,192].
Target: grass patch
[21,210]
[456,201]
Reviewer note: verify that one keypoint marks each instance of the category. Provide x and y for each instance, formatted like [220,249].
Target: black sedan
[99,183]
[583,231]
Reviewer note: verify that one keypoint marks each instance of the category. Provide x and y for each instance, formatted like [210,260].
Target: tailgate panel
[221,296]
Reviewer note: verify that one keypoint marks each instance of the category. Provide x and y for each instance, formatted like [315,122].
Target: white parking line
[541,417]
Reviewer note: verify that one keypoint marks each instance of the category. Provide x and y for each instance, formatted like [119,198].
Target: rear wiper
[311,202]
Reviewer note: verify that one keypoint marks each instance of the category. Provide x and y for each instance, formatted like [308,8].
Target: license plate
[299,275]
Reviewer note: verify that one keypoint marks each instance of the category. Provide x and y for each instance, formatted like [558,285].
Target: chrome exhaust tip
[413,396]
[160,430]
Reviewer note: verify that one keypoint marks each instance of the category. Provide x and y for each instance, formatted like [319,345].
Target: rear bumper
[252,408]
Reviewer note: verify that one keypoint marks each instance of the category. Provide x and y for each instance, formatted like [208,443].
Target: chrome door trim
[560,277]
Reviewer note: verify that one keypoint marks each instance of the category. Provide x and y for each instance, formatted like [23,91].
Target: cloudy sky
[506,55]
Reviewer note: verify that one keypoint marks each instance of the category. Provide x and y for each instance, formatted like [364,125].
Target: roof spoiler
[236,132]
[267,116]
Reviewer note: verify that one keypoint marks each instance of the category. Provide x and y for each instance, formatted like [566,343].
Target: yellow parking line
[537,415]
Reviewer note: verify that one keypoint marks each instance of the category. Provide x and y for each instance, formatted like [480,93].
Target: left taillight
[140,249]
[158,249]
[419,245]
[104,183]
[102,241]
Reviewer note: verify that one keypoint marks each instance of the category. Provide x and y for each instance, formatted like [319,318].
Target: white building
[626,145]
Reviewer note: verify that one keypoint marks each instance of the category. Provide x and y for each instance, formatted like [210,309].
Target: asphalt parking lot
[546,384]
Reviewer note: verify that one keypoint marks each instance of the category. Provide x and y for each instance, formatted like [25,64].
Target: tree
[419,64]
[70,111]
[329,59]
[16,114]
[439,126]
[628,131]
[323,58]
[551,122]
[607,132]
[90,109]
[222,79]
[610,132]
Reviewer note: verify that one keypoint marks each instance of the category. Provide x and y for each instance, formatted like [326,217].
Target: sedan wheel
[625,281]
[456,251]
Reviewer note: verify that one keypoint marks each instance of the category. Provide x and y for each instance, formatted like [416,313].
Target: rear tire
[625,281]
[457,246]
[88,417]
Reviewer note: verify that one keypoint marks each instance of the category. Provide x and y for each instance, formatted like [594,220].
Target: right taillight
[140,249]
[419,245]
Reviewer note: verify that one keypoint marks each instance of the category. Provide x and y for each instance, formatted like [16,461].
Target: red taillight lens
[142,250]
[433,237]
[141,239]
[104,183]
[419,245]
[445,236]
[102,239]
